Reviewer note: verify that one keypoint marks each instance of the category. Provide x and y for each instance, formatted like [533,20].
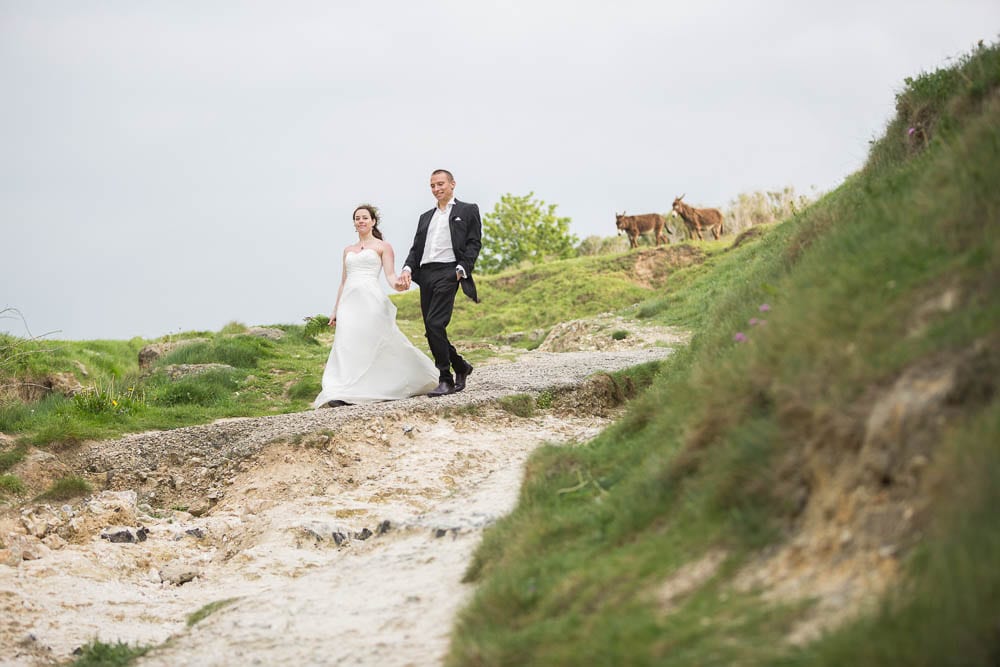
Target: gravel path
[234,439]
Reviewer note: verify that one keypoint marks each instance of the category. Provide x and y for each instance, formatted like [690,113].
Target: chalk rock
[178,572]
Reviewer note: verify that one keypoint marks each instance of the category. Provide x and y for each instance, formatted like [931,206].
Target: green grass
[541,296]
[11,485]
[119,399]
[205,389]
[713,454]
[522,405]
[237,351]
[12,457]
[67,488]
[99,654]
[207,610]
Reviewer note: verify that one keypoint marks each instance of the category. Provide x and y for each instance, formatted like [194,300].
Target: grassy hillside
[781,474]
[540,296]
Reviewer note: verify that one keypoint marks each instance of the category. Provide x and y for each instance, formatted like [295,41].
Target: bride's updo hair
[373,212]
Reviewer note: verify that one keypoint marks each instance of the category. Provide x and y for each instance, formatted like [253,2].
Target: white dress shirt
[438,246]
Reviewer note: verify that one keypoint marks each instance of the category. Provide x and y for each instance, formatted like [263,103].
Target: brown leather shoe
[442,389]
[460,377]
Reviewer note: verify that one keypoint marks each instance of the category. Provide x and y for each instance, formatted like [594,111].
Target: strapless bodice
[364,263]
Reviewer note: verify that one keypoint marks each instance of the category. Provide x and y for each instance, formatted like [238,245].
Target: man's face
[442,187]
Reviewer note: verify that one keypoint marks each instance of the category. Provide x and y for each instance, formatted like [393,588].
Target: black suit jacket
[466,240]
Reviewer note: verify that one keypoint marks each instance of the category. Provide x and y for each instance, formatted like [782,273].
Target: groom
[443,255]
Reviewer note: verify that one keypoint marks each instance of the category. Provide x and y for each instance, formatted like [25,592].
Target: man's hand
[403,282]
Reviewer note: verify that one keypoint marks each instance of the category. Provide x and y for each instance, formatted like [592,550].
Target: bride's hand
[333,321]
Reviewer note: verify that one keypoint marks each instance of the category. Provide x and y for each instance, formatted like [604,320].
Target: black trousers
[438,286]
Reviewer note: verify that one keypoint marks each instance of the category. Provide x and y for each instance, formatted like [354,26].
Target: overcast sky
[168,166]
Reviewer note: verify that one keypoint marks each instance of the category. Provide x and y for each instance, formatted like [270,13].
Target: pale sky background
[168,166]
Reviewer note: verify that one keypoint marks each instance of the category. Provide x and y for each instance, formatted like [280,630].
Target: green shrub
[315,325]
[621,334]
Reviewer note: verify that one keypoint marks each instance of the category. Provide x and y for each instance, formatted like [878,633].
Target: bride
[371,359]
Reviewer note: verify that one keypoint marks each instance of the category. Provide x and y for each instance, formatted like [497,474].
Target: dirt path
[334,536]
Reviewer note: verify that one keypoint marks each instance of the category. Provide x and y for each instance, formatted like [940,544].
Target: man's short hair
[444,171]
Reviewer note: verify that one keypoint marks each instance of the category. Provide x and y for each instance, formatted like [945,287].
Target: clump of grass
[62,429]
[210,608]
[99,654]
[108,399]
[233,327]
[11,485]
[67,488]
[12,457]
[621,334]
[239,352]
[306,388]
[522,405]
[467,410]
[206,389]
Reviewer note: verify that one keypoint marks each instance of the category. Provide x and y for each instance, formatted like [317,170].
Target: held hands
[403,281]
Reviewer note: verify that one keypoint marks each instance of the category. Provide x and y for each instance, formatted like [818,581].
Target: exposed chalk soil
[330,536]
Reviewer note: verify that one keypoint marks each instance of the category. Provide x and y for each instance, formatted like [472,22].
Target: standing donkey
[698,218]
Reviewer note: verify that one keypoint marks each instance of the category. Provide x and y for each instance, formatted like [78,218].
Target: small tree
[523,229]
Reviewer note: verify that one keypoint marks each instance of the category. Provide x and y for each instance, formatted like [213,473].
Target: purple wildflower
[911,131]
[740,337]
[764,307]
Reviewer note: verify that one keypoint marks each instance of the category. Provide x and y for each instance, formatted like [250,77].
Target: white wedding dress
[371,360]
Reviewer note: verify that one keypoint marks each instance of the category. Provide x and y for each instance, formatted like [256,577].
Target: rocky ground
[337,535]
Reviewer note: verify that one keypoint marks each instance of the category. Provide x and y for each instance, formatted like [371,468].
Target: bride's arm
[389,263]
[340,290]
